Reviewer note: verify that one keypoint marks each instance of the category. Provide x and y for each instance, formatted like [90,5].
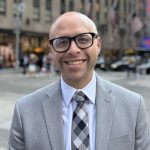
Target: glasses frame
[94,35]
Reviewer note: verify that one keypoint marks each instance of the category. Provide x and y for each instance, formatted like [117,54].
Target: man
[80,111]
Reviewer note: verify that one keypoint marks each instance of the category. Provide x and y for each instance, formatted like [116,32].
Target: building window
[71,5]
[36,9]
[62,5]
[82,3]
[2,6]
[97,9]
[106,3]
[15,8]
[48,15]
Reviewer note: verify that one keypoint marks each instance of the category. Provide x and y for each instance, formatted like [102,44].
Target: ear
[99,44]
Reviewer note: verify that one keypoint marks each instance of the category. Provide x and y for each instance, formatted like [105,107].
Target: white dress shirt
[69,107]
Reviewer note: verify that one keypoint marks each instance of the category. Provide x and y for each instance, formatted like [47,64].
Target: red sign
[148,6]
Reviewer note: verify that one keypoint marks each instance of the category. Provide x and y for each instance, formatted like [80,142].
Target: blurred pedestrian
[44,64]
[25,63]
[1,61]
[32,64]
[80,111]
[131,67]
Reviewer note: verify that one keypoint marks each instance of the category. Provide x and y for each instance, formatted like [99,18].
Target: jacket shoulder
[121,93]
[39,95]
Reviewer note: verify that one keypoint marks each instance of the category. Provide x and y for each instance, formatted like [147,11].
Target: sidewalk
[138,80]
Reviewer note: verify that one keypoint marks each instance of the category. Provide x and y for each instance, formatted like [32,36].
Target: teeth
[74,62]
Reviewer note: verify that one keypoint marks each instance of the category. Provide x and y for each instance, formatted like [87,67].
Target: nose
[73,49]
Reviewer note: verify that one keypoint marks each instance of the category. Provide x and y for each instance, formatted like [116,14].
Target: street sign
[21,7]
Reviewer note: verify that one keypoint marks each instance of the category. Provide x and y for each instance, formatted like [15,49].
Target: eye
[83,39]
[61,42]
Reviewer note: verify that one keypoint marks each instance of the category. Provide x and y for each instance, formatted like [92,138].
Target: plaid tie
[80,127]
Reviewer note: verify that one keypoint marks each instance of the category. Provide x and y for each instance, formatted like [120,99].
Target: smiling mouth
[75,62]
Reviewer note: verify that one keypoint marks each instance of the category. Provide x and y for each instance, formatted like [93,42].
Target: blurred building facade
[121,23]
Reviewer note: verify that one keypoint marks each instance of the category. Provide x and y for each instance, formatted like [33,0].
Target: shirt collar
[89,90]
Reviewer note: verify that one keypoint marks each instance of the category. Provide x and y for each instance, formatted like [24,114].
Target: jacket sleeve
[16,136]
[142,131]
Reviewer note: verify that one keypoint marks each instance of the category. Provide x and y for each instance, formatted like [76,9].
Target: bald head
[74,20]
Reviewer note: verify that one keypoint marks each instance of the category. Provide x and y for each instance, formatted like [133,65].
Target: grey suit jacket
[121,122]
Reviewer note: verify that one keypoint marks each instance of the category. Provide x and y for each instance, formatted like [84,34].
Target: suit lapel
[53,117]
[105,105]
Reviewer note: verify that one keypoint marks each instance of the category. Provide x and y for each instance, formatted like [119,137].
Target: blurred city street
[124,30]
[14,85]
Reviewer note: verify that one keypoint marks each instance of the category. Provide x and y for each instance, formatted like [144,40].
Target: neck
[79,84]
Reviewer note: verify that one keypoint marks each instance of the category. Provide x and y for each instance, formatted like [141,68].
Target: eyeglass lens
[62,44]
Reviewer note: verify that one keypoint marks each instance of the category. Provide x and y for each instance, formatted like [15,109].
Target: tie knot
[79,96]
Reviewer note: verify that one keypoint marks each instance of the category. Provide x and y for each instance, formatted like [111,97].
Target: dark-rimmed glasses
[83,41]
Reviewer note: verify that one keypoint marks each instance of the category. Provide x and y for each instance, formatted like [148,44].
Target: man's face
[76,65]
